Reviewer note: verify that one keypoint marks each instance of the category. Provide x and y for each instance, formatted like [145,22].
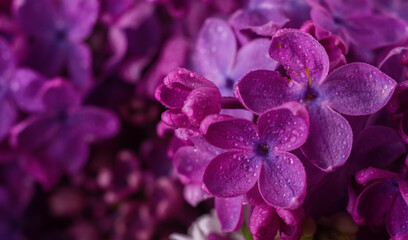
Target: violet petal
[358,89]
[231,174]
[330,138]
[282,181]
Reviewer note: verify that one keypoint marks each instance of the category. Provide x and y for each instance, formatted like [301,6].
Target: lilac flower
[217,59]
[190,98]
[355,22]
[127,21]
[56,140]
[265,17]
[335,47]
[259,154]
[375,146]
[173,54]
[353,89]
[190,163]
[384,199]
[57,30]
[395,63]
[266,222]
[18,87]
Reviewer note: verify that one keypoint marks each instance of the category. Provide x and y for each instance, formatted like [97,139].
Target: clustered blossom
[203,119]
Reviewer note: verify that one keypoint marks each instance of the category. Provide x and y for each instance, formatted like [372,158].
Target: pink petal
[282,181]
[285,127]
[262,90]
[229,133]
[231,174]
[230,213]
[330,139]
[301,55]
[357,89]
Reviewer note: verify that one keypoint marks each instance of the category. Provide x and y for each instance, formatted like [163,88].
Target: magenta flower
[217,58]
[353,89]
[57,30]
[56,140]
[190,98]
[18,88]
[355,22]
[190,163]
[383,200]
[265,17]
[259,154]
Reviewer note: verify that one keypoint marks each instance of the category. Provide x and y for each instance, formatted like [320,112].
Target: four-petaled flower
[353,89]
[259,153]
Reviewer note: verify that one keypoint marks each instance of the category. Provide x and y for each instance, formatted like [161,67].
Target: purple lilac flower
[258,154]
[266,222]
[375,146]
[126,22]
[57,31]
[18,88]
[355,22]
[395,63]
[265,17]
[217,59]
[383,200]
[190,163]
[190,98]
[353,89]
[56,140]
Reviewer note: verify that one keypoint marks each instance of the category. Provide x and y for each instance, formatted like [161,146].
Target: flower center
[311,94]
[262,149]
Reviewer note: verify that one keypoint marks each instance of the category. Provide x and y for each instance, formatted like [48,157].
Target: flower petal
[231,174]
[216,49]
[58,95]
[376,146]
[250,58]
[80,16]
[330,138]
[26,87]
[262,90]
[262,21]
[291,217]
[190,164]
[302,56]
[193,194]
[171,98]
[230,213]
[403,187]
[286,127]
[375,31]
[282,181]
[229,133]
[80,66]
[201,103]
[374,202]
[95,123]
[391,65]
[396,219]
[34,132]
[69,151]
[357,89]
[264,223]
[35,17]
[366,175]
[8,115]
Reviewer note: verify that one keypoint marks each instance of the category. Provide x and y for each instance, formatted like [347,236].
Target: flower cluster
[293,116]
[270,119]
